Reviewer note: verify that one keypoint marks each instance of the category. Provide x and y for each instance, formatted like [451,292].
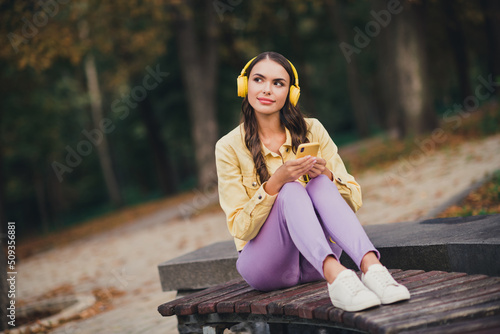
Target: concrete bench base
[470,245]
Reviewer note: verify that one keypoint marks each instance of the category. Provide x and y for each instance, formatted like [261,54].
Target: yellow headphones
[243,84]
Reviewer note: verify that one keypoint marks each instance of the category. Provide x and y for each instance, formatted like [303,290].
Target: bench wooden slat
[191,306]
[228,305]
[306,310]
[292,306]
[421,277]
[438,278]
[168,308]
[432,319]
[460,281]
[261,306]
[210,306]
[489,324]
[245,305]
[407,273]
[275,305]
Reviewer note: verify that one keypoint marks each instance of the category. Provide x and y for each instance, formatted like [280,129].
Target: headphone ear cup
[294,94]
[242,83]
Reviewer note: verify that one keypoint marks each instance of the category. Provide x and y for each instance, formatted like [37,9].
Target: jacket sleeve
[346,184]
[245,215]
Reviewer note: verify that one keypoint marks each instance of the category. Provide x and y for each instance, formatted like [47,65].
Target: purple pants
[295,239]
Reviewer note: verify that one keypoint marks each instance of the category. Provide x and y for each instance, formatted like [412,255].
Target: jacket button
[260,196]
[339,179]
[254,183]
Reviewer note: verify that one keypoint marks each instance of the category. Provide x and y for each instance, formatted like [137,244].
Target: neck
[269,125]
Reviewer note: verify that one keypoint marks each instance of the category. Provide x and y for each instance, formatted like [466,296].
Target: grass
[483,201]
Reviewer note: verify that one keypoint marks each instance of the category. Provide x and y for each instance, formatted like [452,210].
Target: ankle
[332,268]
[368,260]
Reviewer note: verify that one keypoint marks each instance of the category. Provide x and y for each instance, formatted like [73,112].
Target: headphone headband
[295,74]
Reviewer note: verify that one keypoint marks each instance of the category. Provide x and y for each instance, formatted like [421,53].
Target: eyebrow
[263,76]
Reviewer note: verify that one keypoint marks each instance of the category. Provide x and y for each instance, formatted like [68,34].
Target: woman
[288,231]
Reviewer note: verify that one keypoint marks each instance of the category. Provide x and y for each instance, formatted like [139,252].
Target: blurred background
[107,104]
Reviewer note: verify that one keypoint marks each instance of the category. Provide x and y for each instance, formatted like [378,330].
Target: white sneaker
[379,280]
[348,293]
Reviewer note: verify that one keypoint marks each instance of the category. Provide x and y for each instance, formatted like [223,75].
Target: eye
[279,83]
[257,79]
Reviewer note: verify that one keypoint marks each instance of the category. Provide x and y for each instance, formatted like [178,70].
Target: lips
[264,100]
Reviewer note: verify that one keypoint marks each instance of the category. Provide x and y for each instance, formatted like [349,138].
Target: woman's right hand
[289,172]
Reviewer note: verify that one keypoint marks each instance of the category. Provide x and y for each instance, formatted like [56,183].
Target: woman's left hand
[319,168]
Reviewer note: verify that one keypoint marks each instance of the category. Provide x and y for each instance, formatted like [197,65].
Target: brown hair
[290,117]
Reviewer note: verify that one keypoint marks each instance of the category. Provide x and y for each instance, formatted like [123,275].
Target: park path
[126,258]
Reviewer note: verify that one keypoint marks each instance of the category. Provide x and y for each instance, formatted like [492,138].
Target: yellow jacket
[245,202]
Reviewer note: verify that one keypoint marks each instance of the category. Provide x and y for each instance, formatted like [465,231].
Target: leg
[290,247]
[344,227]
[339,221]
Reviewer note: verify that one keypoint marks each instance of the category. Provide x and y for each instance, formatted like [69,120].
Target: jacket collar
[286,144]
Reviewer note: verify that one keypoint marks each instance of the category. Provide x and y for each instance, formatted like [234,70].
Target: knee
[320,184]
[293,189]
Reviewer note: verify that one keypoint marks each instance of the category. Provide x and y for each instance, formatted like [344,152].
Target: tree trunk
[166,176]
[360,105]
[97,117]
[199,71]
[300,63]
[456,37]
[387,89]
[491,12]
[414,97]
[103,146]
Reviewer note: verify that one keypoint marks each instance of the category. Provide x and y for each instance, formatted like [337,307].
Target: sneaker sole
[358,307]
[394,299]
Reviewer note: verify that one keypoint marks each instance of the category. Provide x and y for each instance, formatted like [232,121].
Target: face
[268,86]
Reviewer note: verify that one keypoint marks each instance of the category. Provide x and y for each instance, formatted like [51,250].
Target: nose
[267,88]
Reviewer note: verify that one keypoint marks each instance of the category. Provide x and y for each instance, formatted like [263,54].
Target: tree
[94,91]
[197,44]
[491,12]
[456,36]
[360,105]
[404,78]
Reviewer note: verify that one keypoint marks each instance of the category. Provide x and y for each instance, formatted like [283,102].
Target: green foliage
[490,123]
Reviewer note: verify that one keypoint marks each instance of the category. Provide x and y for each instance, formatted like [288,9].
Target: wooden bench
[442,302]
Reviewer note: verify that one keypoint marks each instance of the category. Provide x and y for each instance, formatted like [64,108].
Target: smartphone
[307,149]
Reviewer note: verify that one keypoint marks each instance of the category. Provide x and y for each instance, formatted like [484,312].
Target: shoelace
[384,278]
[354,285]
